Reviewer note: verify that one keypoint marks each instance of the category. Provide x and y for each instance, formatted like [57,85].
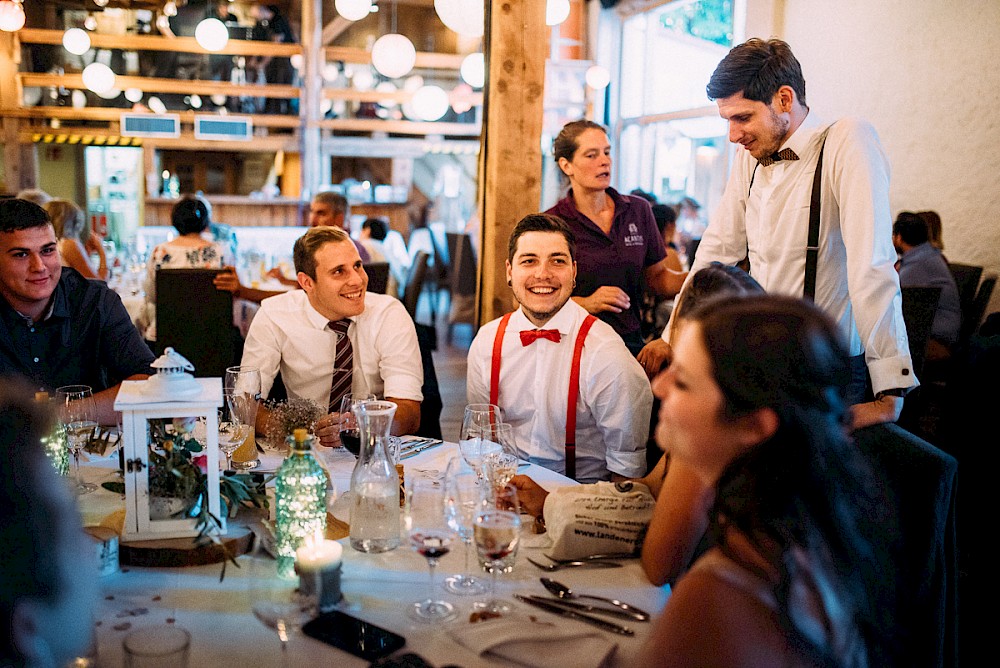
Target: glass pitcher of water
[374,482]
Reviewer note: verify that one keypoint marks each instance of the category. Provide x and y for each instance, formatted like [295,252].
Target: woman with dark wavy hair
[754,404]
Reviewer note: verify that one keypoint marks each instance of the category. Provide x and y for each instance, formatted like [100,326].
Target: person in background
[373,235]
[935,232]
[56,327]
[49,579]
[618,244]
[764,214]
[921,264]
[394,248]
[272,26]
[524,361]
[754,405]
[658,308]
[190,216]
[76,242]
[35,195]
[690,226]
[297,334]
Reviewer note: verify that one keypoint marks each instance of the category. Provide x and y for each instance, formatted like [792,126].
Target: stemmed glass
[232,431]
[431,536]
[463,496]
[500,465]
[350,435]
[474,439]
[79,414]
[497,533]
[285,610]
[243,383]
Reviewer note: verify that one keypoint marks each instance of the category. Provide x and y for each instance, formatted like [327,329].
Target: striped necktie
[783,154]
[343,364]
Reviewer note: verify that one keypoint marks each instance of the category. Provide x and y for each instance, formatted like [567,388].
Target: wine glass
[474,439]
[232,431]
[285,610]
[497,533]
[79,414]
[500,465]
[350,435]
[243,383]
[430,535]
[463,496]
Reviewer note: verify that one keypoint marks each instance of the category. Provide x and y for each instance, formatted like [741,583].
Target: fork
[573,564]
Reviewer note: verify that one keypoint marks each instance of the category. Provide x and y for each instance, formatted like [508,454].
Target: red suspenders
[574,384]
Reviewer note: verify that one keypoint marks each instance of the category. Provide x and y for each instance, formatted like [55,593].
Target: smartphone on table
[353,635]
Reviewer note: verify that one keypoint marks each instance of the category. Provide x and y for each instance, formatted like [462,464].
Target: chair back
[919,306]
[972,319]
[919,484]
[430,407]
[415,282]
[967,280]
[196,319]
[378,276]
[463,264]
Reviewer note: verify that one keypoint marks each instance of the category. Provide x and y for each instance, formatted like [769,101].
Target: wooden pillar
[312,85]
[20,162]
[510,162]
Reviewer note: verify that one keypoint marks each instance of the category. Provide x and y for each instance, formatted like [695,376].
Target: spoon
[562,591]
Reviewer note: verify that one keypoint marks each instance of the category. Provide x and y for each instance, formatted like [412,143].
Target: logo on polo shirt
[633,238]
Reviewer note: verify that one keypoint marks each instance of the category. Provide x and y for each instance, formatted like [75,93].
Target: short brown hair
[336,201]
[565,144]
[757,68]
[306,247]
[541,222]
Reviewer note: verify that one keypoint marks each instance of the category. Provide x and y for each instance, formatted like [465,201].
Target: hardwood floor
[449,364]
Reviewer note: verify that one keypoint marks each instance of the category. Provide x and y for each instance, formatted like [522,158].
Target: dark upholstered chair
[378,276]
[196,320]
[919,306]
[415,282]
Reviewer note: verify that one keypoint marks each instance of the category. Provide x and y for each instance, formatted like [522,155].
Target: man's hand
[227,281]
[605,298]
[885,409]
[530,494]
[327,430]
[654,356]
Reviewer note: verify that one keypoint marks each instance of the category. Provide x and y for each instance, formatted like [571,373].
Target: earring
[509,284]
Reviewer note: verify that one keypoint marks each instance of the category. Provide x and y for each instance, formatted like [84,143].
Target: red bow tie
[529,336]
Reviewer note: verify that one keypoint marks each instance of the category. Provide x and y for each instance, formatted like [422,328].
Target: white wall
[927,75]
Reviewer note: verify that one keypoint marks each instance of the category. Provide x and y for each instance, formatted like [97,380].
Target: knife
[598,609]
[420,448]
[572,614]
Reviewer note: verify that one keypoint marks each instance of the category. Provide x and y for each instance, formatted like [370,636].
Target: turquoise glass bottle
[300,501]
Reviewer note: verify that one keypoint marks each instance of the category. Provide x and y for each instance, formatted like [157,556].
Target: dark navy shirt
[88,338]
[923,265]
[618,258]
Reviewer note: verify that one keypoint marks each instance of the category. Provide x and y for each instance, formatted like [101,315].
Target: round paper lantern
[212,34]
[11,15]
[156,105]
[353,10]
[473,70]
[108,94]
[76,41]
[430,103]
[78,99]
[556,11]
[387,87]
[363,79]
[597,77]
[133,94]
[393,55]
[413,84]
[98,77]
[466,17]
[218,99]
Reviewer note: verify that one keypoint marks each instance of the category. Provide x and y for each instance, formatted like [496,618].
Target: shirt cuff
[628,464]
[891,373]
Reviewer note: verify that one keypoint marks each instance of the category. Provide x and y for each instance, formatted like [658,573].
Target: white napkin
[539,644]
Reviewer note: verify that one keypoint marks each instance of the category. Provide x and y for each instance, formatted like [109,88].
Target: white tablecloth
[377,588]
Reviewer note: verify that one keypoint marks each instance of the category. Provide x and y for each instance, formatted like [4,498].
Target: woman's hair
[934,229]
[566,142]
[715,281]
[803,495]
[191,215]
[29,517]
[67,218]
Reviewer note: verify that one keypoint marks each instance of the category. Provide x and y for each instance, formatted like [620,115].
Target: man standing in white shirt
[297,333]
[765,215]
[526,362]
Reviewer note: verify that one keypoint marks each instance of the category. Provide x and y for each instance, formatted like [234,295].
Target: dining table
[377,588]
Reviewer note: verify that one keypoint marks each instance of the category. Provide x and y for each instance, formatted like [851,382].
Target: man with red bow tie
[550,354]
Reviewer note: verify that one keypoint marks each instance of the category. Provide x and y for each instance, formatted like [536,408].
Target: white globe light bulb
[133,94]
[353,10]
[212,34]
[430,103]
[156,105]
[473,70]
[98,77]
[466,17]
[556,11]
[76,41]
[393,55]
[597,77]
[11,16]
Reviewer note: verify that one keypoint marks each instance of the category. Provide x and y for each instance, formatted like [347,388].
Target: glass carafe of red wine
[374,482]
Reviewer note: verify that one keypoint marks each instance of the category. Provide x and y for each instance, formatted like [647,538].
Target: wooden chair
[463,281]
[415,283]
[919,306]
[196,320]
[378,276]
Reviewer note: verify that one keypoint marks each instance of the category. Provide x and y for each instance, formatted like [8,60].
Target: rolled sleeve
[622,400]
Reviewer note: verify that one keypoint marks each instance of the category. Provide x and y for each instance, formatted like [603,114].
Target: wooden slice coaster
[171,552]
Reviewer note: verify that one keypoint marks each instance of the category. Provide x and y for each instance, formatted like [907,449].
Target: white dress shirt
[290,336]
[855,280]
[612,411]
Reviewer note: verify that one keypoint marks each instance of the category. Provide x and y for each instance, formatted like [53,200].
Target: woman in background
[76,242]
[191,216]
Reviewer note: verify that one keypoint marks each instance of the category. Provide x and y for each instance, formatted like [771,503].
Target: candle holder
[318,565]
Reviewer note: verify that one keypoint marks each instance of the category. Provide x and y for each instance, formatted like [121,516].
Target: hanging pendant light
[393,56]
[430,103]
[76,41]
[11,15]
[353,10]
[556,11]
[597,77]
[99,78]
[473,70]
[212,34]
[466,17]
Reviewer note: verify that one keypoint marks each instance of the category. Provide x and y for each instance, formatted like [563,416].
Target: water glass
[497,533]
[79,415]
[162,646]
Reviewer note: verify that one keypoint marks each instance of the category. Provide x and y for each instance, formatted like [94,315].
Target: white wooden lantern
[172,394]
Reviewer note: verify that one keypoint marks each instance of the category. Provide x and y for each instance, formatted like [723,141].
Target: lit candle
[318,565]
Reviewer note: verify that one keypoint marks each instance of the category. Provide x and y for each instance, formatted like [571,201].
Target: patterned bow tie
[529,336]
[783,154]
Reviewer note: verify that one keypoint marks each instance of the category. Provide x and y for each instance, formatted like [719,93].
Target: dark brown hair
[565,144]
[541,222]
[758,68]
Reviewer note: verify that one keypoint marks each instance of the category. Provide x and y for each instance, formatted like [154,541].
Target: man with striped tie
[578,401]
[808,204]
[332,337]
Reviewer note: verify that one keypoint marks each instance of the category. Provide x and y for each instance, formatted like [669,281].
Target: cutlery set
[415,446]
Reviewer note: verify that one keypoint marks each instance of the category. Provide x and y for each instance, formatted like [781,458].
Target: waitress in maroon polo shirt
[618,244]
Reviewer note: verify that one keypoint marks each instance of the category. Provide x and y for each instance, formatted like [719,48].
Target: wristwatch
[894,392]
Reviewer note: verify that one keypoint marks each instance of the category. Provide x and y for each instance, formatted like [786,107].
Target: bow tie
[783,154]
[529,336]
